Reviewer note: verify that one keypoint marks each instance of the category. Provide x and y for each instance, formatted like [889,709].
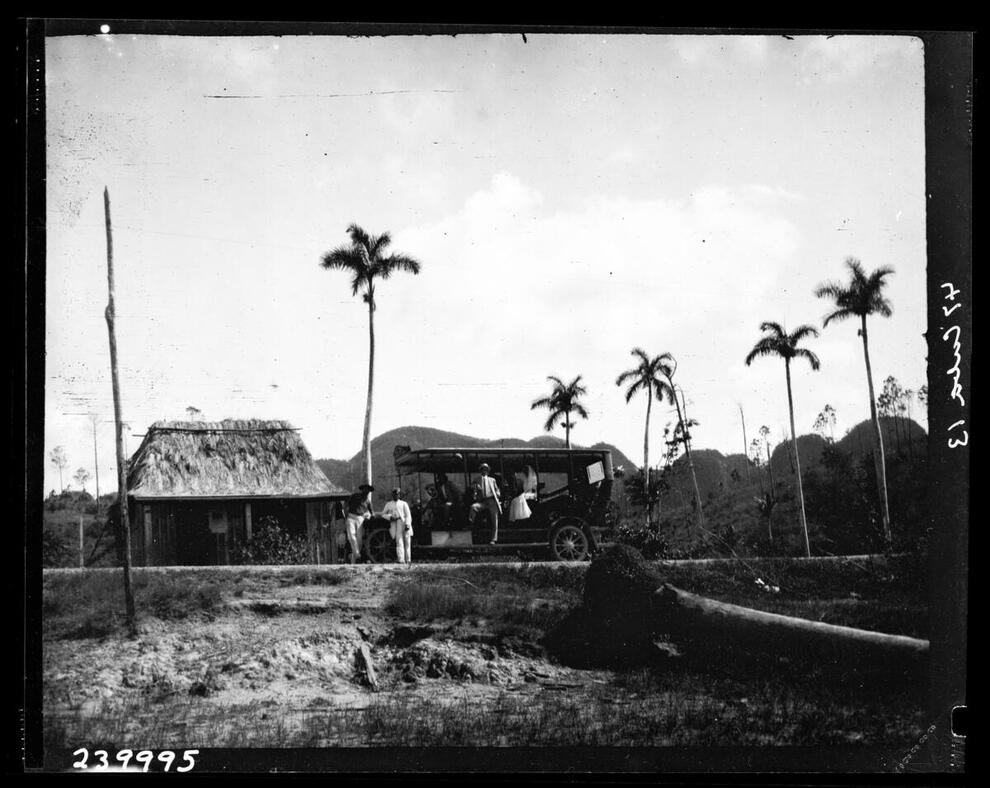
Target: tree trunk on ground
[110,315]
[371,386]
[881,464]
[797,460]
[719,625]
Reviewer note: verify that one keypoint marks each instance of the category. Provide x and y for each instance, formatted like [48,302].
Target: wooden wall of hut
[211,532]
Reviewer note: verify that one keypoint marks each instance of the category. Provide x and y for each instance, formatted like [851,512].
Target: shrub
[272,544]
[54,550]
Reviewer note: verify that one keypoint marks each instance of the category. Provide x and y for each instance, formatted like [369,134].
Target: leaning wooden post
[125,525]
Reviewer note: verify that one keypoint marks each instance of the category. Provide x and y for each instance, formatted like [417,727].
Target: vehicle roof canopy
[452,460]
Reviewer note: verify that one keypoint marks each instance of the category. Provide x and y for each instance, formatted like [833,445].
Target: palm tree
[779,343]
[669,365]
[861,297]
[562,401]
[649,376]
[366,261]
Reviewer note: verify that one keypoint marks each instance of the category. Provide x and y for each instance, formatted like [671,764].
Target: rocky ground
[273,660]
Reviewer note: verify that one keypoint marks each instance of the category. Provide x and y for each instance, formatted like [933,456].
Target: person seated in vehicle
[526,485]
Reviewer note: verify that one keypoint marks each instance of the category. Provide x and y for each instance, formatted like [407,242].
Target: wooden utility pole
[745,444]
[96,465]
[125,526]
[82,559]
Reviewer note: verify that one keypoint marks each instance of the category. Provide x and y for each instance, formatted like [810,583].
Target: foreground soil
[263,656]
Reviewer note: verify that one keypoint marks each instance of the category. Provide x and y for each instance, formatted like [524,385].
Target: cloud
[846,58]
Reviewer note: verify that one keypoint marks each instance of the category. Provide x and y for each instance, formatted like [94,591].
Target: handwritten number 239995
[123,758]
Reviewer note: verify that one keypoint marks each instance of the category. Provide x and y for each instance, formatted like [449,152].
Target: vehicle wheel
[568,542]
[379,546]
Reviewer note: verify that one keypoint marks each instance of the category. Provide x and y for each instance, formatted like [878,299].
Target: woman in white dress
[519,507]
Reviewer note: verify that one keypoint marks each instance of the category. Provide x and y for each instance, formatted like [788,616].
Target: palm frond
[359,237]
[641,354]
[398,262]
[875,280]
[839,314]
[664,390]
[803,352]
[667,365]
[768,346]
[579,409]
[542,402]
[800,333]
[637,386]
[551,422]
[557,382]
[574,389]
[830,289]
[379,244]
[627,375]
[775,328]
[342,258]
[856,269]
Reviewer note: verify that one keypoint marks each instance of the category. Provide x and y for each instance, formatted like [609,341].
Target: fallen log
[632,616]
[367,666]
[706,623]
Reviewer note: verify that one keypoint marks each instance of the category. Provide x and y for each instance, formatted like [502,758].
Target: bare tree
[60,461]
[81,477]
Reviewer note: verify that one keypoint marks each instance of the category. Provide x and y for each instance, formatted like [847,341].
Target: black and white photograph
[510,400]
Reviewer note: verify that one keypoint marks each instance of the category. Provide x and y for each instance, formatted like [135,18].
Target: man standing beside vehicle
[491,498]
[400,526]
[358,510]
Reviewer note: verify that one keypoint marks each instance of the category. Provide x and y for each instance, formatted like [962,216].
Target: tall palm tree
[366,261]
[562,402]
[778,342]
[648,376]
[669,367]
[861,297]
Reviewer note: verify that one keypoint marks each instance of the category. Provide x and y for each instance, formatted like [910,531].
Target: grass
[887,596]
[92,604]
[526,598]
[642,708]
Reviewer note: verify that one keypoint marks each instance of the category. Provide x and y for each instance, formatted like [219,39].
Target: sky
[569,197]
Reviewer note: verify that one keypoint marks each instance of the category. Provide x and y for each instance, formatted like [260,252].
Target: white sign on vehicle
[596,472]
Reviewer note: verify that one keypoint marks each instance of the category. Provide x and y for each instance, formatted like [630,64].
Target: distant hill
[347,473]
[714,470]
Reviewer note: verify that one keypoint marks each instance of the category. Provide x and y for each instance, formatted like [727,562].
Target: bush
[54,550]
[649,541]
[272,544]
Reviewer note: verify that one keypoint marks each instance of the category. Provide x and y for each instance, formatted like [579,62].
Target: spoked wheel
[379,546]
[568,542]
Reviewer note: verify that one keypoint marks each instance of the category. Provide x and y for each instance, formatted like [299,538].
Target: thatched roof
[225,459]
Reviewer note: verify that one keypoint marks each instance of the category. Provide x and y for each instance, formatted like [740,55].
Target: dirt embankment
[267,656]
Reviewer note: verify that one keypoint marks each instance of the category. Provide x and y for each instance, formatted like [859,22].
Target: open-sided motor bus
[567,494]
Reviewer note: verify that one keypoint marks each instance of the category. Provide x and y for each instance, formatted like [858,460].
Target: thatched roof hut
[225,459]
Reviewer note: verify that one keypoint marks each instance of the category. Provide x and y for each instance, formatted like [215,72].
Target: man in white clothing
[400,517]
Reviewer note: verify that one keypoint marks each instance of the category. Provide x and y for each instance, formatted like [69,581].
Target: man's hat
[484,467]
[396,490]
[366,488]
